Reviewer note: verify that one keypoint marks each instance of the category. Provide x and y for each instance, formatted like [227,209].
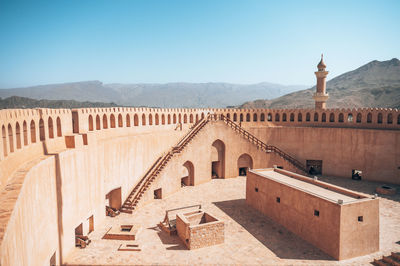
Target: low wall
[195,234]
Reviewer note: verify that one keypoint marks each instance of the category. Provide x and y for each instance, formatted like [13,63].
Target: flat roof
[304,186]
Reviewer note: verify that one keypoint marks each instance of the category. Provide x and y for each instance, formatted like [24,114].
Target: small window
[158,193]
[279,167]
[256,189]
[278,199]
[360,218]
[316,213]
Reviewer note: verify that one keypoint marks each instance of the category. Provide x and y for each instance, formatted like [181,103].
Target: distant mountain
[194,95]
[376,84]
[23,102]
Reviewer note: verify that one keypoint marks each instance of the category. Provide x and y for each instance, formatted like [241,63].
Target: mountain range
[16,102]
[376,84]
[191,95]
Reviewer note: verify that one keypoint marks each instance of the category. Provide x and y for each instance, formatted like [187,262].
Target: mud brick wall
[205,235]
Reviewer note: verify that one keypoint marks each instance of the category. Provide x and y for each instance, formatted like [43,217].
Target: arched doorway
[244,163]
[218,159]
[188,174]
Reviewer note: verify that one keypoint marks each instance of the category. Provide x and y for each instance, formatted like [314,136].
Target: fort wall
[375,152]
[82,175]
[84,154]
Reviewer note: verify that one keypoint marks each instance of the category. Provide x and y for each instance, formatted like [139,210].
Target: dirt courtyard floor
[250,237]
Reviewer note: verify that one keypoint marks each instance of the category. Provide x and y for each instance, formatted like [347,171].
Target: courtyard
[250,237]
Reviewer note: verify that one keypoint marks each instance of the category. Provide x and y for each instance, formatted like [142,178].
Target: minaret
[320,96]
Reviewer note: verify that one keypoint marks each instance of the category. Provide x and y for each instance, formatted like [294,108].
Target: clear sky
[148,41]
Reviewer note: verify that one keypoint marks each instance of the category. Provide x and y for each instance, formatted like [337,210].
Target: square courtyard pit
[342,223]
[199,229]
[123,232]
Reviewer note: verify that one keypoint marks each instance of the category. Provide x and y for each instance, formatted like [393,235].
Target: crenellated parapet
[21,128]
[367,118]
[24,127]
[92,119]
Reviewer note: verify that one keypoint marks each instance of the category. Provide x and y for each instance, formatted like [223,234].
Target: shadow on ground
[275,237]
[171,242]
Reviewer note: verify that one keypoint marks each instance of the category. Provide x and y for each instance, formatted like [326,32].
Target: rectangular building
[342,223]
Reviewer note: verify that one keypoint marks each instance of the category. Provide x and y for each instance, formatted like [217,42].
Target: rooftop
[308,185]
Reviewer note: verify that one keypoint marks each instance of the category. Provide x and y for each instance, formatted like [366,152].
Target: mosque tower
[320,96]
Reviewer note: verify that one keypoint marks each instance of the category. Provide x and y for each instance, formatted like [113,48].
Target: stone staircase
[393,260]
[131,203]
[261,145]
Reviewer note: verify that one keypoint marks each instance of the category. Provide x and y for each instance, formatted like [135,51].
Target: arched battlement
[26,133]
[21,127]
[371,118]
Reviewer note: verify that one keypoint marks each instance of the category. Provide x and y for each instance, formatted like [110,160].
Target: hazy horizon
[159,83]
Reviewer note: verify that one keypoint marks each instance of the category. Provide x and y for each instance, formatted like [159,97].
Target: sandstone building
[60,168]
[340,222]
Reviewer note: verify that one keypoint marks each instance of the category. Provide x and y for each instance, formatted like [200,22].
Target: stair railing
[148,178]
[261,144]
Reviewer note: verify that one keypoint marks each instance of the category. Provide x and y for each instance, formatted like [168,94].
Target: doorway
[91,224]
[356,174]
[79,230]
[215,169]
[188,175]
[218,159]
[114,198]
[244,163]
[243,171]
[314,167]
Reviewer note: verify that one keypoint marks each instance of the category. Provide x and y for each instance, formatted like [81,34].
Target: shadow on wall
[363,186]
[275,237]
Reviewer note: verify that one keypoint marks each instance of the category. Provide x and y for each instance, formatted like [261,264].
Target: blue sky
[149,41]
